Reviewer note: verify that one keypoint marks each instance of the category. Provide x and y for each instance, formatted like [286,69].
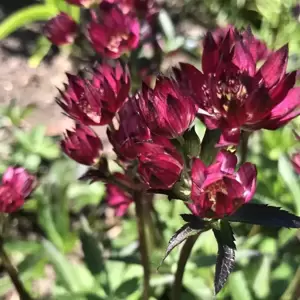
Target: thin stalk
[183,258]
[13,273]
[139,199]
[244,146]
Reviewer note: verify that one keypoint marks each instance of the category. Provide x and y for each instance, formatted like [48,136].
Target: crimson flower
[95,101]
[61,29]
[218,190]
[16,185]
[233,95]
[114,33]
[160,164]
[117,198]
[82,145]
[165,109]
[131,130]
[296,162]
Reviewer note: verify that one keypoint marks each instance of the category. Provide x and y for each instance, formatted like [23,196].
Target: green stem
[184,255]
[13,273]
[244,146]
[139,199]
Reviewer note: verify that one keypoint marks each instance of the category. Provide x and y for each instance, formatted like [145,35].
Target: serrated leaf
[226,255]
[180,235]
[265,215]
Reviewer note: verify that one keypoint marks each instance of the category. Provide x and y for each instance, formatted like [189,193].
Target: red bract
[82,145]
[117,198]
[296,162]
[218,190]
[233,95]
[61,29]
[95,102]
[16,185]
[165,109]
[114,33]
[160,164]
[131,131]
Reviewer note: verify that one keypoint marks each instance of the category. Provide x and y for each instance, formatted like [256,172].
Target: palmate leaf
[265,215]
[187,230]
[226,254]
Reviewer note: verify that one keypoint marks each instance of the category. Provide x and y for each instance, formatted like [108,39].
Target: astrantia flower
[82,145]
[217,190]
[116,197]
[233,95]
[114,33]
[131,130]
[160,164]
[95,101]
[16,185]
[61,29]
[165,109]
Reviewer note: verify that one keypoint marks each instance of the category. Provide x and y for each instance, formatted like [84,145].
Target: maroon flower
[118,198]
[82,145]
[115,33]
[218,190]
[160,164]
[296,162]
[131,131]
[233,95]
[95,101]
[165,109]
[61,29]
[16,185]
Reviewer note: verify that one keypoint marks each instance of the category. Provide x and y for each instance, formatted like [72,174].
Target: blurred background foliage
[66,243]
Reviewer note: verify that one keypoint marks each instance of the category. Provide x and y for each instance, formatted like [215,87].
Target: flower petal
[246,175]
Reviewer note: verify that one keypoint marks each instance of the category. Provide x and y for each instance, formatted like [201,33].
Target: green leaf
[66,271]
[192,143]
[26,16]
[180,235]
[127,288]
[286,171]
[166,24]
[238,286]
[261,284]
[226,254]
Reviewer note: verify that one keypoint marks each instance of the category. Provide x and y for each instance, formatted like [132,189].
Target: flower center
[218,186]
[115,42]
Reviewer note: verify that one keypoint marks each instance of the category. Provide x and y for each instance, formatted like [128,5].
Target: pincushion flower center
[115,42]
[213,189]
[230,88]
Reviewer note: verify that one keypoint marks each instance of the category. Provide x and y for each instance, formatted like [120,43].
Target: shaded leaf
[127,288]
[265,215]
[194,221]
[180,235]
[226,255]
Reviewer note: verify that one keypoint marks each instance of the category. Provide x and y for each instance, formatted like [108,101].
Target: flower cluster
[112,27]
[16,185]
[145,128]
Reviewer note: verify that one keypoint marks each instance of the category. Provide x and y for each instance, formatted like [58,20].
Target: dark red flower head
[160,164]
[82,145]
[165,109]
[233,95]
[118,198]
[16,185]
[115,33]
[95,101]
[131,130]
[218,190]
[61,29]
